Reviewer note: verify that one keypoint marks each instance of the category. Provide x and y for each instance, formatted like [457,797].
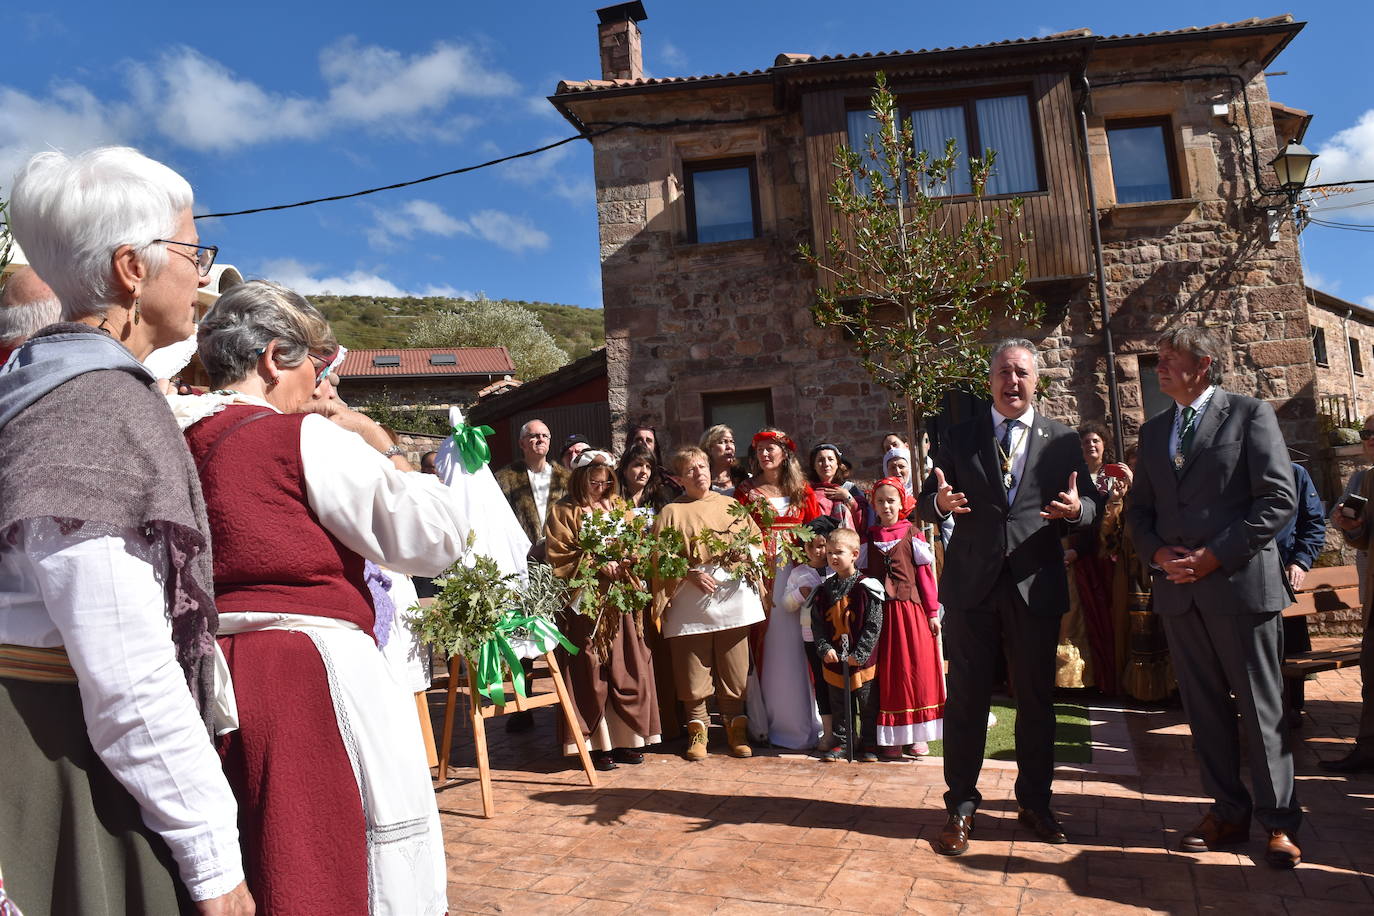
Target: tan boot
[737,734]
[827,734]
[696,740]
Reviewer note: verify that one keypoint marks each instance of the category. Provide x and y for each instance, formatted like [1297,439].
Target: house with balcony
[1141,159]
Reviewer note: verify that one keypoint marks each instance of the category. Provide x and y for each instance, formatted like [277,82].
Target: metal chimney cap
[634,12]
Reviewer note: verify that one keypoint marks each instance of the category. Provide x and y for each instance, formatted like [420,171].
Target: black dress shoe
[518,722]
[953,837]
[1356,761]
[603,761]
[1043,825]
[627,755]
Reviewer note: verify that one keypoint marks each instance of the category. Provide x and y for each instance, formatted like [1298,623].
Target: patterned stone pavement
[786,833]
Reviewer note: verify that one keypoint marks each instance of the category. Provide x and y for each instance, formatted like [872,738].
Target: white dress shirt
[1020,441]
[1200,406]
[102,598]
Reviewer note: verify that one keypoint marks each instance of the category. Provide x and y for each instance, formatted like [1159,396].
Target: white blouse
[102,598]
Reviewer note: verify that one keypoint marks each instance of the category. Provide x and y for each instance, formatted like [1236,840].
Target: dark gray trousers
[1215,656]
[972,639]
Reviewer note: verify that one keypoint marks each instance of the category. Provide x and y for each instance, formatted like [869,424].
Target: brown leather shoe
[1214,833]
[953,838]
[1282,852]
[1043,825]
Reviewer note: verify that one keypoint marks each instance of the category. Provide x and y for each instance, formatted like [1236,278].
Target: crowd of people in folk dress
[204,663]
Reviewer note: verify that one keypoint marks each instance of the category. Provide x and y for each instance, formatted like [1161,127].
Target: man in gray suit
[1213,486]
[1011,476]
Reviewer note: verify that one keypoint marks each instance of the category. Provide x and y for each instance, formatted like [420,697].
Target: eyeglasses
[204,258]
[1367,434]
[328,366]
[599,483]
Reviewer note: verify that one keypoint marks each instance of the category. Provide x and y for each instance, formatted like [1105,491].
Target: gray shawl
[87,441]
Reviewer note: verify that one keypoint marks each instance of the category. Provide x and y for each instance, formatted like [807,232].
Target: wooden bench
[1329,588]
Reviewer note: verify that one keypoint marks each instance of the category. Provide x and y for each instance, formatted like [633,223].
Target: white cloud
[1368,302]
[424,217]
[371,82]
[201,104]
[1347,156]
[673,56]
[70,118]
[1320,281]
[550,171]
[306,279]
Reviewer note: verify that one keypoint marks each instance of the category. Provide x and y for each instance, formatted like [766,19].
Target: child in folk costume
[911,684]
[847,617]
[801,584]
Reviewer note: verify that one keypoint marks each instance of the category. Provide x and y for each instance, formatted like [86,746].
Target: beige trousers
[711,663]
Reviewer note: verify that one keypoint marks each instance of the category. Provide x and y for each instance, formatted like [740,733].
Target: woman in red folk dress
[911,682]
[336,808]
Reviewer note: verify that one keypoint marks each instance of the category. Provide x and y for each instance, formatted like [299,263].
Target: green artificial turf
[1072,735]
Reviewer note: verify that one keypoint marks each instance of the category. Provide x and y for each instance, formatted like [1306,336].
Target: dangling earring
[138,312]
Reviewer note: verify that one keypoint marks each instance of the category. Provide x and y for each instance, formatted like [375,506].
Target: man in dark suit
[1010,477]
[1213,486]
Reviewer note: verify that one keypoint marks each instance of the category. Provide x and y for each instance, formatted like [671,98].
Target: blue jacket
[1305,534]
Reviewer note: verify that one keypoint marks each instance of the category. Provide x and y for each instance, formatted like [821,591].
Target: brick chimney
[622,56]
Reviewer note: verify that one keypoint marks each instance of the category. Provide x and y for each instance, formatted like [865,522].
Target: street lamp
[1291,167]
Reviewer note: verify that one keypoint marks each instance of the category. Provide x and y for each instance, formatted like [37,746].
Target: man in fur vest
[532,483]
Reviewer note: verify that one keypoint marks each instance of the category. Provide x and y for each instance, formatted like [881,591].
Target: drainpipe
[1350,364]
[1113,396]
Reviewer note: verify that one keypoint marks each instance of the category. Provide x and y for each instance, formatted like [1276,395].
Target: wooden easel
[479,714]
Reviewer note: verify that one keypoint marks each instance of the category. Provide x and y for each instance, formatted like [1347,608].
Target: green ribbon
[497,654]
[471,442]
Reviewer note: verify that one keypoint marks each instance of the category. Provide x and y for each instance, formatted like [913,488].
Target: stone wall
[685,320]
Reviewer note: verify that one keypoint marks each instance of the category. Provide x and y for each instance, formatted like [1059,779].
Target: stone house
[710,183]
[1343,349]
[430,377]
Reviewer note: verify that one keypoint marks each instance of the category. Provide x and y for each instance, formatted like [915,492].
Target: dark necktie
[1185,436]
[1007,426]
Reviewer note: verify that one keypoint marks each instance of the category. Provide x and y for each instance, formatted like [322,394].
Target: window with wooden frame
[1356,364]
[1004,122]
[1319,346]
[1144,160]
[745,412]
[722,200]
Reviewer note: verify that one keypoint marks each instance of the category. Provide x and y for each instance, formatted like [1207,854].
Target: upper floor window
[722,200]
[1002,123]
[1319,346]
[1144,167]
[1356,364]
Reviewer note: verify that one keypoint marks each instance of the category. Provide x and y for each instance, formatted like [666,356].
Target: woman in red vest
[337,811]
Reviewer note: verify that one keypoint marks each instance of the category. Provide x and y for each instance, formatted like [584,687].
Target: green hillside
[364,322]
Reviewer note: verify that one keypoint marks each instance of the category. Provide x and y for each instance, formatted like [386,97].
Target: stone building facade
[709,320]
[1343,349]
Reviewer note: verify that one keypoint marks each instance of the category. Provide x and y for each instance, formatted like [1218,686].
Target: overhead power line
[585,135]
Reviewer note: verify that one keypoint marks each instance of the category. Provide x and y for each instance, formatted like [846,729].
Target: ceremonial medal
[1178,461]
[1008,480]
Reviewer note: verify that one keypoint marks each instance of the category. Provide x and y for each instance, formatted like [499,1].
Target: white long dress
[785,680]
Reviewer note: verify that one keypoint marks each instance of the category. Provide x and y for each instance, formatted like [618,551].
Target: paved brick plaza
[786,833]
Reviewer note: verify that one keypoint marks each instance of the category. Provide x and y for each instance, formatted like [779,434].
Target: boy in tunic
[847,615]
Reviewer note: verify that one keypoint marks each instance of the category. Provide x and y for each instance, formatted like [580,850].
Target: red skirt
[300,812]
[911,681]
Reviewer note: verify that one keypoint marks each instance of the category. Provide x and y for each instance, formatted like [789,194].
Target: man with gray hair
[1213,486]
[26,304]
[1011,476]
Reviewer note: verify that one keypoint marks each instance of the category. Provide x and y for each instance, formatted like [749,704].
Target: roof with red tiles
[427,361]
[790,60]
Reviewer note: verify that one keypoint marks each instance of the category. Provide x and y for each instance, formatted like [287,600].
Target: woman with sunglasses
[338,815]
[113,799]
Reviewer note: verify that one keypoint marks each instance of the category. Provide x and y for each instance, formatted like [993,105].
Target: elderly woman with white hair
[114,800]
[338,813]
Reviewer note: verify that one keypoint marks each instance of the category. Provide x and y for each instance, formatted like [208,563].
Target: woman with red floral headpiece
[911,683]
[784,676]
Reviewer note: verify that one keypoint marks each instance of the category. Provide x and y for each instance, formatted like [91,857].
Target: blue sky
[262,104]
